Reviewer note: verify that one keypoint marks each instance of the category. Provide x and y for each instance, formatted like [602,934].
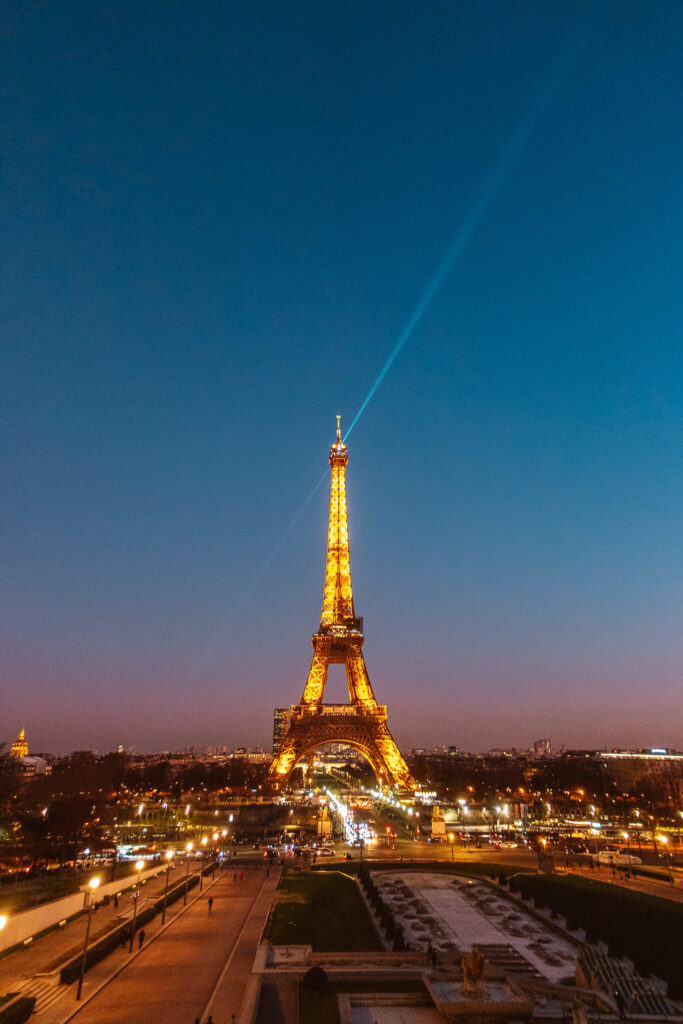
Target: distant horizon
[252,748]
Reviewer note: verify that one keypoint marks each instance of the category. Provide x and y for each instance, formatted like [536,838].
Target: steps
[45,995]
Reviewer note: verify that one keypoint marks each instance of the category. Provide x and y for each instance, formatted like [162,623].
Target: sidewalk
[42,956]
[238,989]
[649,887]
[64,1006]
[183,966]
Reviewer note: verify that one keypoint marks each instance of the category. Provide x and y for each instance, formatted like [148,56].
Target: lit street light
[93,883]
[188,851]
[169,857]
[139,865]
[451,837]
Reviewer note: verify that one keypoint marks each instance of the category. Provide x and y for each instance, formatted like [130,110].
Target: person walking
[210,903]
[141,938]
[241,876]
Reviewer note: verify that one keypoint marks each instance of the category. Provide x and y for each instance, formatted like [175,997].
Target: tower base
[364,729]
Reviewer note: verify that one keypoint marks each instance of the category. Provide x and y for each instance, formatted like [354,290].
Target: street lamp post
[451,837]
[201,873]
[93,883]
[169,858]
[628,844]
[139,865]
[188,851]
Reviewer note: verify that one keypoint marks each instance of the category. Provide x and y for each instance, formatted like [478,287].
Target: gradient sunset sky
[219,221]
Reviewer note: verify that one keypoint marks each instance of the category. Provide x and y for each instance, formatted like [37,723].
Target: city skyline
[224,230]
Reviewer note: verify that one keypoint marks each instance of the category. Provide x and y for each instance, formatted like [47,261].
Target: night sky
[219,220]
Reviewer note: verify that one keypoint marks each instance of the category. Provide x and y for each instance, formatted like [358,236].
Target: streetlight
[451,837]
[169,857]
[201,873]
[139,865]
[628,844]
[188,851]
[93,883]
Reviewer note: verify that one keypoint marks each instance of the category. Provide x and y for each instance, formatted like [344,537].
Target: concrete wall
[26,923]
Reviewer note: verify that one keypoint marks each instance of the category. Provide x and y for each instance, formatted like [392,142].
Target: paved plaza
[450,913]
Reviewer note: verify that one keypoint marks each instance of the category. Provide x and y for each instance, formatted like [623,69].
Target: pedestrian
[209,1019]
[621,1005]
[210,903]
[116,902]
[141,938]
[267,872]
[241,875]
[234,877]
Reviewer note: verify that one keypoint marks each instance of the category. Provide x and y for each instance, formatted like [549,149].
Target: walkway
[181,967]
[650,887]
[43,955]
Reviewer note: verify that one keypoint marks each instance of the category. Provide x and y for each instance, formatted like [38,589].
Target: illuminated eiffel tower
[362,723]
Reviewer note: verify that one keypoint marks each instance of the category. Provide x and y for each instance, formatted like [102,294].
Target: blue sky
[218,222]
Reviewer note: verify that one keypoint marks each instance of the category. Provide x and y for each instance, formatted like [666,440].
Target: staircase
[45,995]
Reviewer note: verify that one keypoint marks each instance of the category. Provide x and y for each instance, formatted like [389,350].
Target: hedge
[18,1011]
[646,929]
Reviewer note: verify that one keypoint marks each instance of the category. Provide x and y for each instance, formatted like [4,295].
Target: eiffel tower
[362,723]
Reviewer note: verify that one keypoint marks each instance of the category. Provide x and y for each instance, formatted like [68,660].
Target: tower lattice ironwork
[362,723]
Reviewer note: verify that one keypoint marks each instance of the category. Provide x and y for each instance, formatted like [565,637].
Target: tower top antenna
[338,428]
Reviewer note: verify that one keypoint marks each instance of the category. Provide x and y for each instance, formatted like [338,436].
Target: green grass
[326,912]
[35,891]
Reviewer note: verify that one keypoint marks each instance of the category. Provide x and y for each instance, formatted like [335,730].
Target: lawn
[322,909]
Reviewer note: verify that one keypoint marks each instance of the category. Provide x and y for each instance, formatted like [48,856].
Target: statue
[473,975]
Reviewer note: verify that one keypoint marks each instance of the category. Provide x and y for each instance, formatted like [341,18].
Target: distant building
[630,768]
[20,747]
[280,727]
[542,748]
[31,766]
